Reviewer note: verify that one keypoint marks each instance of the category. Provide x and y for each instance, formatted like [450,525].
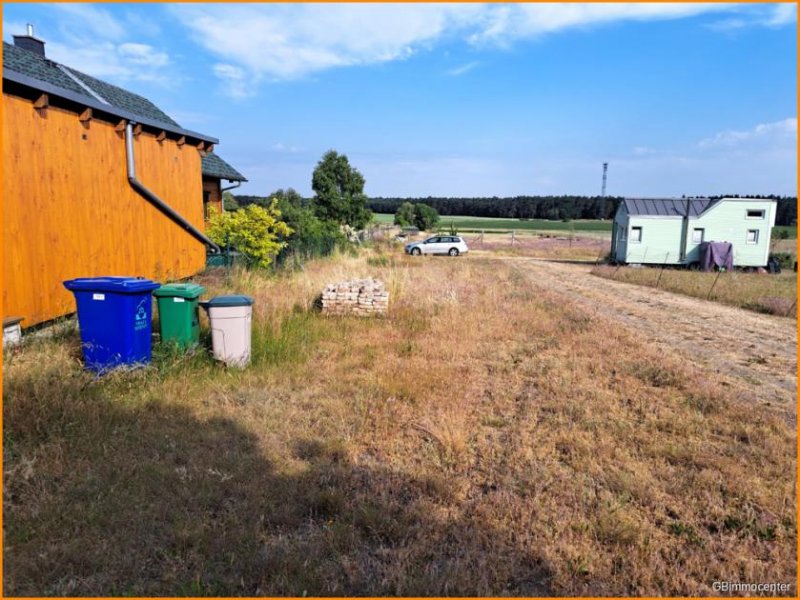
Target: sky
[461,99]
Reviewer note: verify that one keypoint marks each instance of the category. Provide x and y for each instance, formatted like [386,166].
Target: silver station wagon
[452,245]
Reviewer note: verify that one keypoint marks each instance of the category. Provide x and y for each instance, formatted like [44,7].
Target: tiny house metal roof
[668,207]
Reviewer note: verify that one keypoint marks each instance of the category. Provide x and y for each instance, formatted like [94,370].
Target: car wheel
[416,251]
[453,252]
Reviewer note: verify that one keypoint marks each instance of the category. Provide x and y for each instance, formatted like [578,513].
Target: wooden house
[98,181]
[214,171]
[669,231]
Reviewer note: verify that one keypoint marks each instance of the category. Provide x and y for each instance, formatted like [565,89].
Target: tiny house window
[752,236]
[636,234]
[698,235]
[753,213]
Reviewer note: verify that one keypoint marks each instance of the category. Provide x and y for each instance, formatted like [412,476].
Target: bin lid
[120,285]
[218,301]
[179,290]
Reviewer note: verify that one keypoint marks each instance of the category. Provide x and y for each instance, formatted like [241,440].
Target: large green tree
[425,217]
[404,215]
[339,192]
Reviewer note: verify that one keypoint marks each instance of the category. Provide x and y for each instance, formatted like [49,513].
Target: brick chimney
[30,43]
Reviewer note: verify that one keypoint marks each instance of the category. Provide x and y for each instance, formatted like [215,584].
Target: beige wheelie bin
[231,320]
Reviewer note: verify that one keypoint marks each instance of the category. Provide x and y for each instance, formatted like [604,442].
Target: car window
[432,240]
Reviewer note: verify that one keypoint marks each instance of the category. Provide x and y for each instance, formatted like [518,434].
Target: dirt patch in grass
[489,437]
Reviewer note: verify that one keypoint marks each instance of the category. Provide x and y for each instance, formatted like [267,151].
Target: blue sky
[461,99]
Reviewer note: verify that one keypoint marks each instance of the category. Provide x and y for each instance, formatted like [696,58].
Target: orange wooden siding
[69,210]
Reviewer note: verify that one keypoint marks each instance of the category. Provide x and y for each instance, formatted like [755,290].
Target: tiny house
[669,231]
[98,181]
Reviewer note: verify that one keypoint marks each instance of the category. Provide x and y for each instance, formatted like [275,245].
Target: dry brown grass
[487,438]
[771,294]
[588,246]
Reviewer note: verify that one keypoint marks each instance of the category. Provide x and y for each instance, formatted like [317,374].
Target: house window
[752,236]
[698,235]
[636,235]
[755,213]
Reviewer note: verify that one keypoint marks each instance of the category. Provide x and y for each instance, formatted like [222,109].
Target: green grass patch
[788,232]
[463,223]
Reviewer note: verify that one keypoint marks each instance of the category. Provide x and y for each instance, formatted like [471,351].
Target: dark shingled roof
[214,166]
[668,207]
[38,67]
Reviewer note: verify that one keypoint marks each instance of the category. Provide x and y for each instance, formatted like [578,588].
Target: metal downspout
[227,189]
[155,200]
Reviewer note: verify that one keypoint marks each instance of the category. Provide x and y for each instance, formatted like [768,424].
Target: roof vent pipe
[30,30]
[155,200]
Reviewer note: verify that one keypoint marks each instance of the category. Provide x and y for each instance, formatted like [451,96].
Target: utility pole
[605,175]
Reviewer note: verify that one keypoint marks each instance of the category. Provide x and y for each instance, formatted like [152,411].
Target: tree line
[547,207]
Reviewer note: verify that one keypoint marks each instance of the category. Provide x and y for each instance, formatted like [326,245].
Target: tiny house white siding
[660,240]
[744,222]
[728,221]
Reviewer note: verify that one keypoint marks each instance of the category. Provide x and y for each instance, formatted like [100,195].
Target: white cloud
[284,42]
[143,55]
[505,23]
[463,69]
[773,16]
[117,62]
[90,39]
[88,19]
[777,133]
[12,28]
[782,14]
[234,79]
[288,42]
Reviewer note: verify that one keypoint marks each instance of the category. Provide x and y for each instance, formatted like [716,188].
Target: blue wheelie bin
[115,319]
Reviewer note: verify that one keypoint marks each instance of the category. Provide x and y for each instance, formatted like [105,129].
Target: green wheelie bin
[178,317]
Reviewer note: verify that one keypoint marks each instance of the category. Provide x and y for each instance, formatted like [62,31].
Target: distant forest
[537,207]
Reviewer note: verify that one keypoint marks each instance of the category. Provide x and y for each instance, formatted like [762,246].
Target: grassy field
[488,224]
[486,438]
[470,224]
[772,294]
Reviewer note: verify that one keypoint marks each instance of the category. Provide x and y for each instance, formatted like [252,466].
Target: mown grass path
[755,352]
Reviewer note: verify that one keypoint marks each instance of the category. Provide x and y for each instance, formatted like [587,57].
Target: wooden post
[789,312]
[137,130]
[658,281]
[512,238]
[719,272]
[599,256]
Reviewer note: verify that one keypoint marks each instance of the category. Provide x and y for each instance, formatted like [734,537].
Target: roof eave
[100,107]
